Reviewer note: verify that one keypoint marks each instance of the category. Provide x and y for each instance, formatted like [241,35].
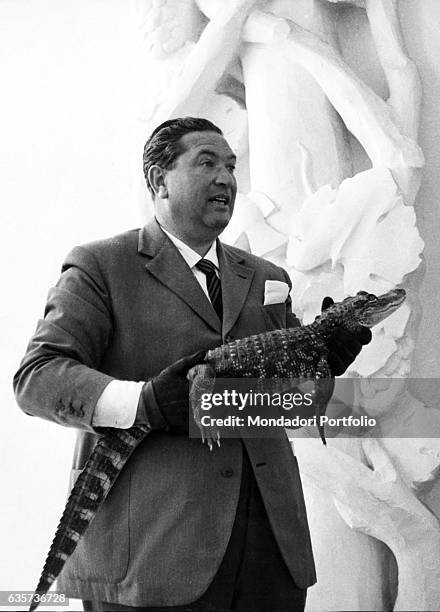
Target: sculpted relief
[329,172]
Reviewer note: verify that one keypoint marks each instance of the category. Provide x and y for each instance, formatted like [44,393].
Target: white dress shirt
[117,405]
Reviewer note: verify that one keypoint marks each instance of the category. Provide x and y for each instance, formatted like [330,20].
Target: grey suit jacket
[126,308]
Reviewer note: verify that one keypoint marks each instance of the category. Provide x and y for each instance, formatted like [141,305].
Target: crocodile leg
[324,385]
[202,381]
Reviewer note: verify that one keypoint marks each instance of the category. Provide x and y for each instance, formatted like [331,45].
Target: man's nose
[224,177]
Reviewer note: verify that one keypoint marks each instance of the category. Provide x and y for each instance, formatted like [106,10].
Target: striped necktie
[213,285]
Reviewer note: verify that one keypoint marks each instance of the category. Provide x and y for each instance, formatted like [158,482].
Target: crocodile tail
[202,380]
[92,486]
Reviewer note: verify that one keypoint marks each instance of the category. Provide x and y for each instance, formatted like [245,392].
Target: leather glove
[343,345]
[163,402]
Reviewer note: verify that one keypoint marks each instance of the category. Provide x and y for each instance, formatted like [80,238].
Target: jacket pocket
[275,315]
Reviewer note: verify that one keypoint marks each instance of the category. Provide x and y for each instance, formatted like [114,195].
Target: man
[182,528]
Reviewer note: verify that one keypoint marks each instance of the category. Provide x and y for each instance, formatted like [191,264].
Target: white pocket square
[275,292]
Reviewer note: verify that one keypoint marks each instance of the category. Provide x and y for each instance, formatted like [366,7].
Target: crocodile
[284,356]
[276,356]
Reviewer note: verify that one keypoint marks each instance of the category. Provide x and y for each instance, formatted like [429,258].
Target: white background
[70,166]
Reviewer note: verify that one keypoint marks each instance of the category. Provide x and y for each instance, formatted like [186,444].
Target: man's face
[201,187]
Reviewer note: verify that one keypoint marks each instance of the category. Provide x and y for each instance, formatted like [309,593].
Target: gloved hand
[163,402]
[344,346]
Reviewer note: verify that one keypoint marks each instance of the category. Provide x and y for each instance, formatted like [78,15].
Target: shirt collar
[189,255]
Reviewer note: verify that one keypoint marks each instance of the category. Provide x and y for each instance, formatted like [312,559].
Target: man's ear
[156,178]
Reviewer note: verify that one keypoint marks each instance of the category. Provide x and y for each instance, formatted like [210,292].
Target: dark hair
[164,147]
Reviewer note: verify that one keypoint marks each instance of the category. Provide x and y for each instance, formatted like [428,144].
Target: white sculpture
[281,60]
[375,501]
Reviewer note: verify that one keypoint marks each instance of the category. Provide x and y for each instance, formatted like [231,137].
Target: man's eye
[207,162]
[231,169]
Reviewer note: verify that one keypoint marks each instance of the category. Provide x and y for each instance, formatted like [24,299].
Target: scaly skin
[299,353]
[278,355]
[105,463]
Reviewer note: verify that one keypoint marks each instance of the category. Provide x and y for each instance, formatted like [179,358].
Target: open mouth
[220,199]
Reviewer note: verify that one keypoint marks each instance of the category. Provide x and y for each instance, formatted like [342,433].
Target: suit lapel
[236,279]
[169,267]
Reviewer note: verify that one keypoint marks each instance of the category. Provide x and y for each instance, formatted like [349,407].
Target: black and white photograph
[220,356]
